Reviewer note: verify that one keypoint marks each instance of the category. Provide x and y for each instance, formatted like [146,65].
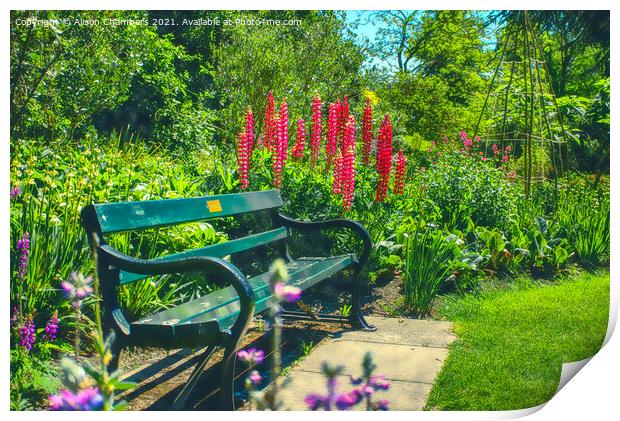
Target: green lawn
[512,343]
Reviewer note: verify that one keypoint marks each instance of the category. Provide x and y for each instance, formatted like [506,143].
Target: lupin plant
[23,251]
[27,334]
[366,387]
[76,289]
[331,144]
[337,183]
[78,393]
[300,144]
[281,147]
[399,173]
[14,193]
[343,117]
[367,132]
[384,158]
[316,130]
[340,147]
[347,168]
[51,328]
[249,134]
[243,160]
[269,124]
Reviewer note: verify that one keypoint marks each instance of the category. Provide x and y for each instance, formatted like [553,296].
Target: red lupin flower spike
[281,149]
[243,160]
[249,133]
[269,125]
[316,130]
[384,158]
[399,173]
[343,116]
[367,132]
[300,145]
[347,169]
[332,132]
[337,186]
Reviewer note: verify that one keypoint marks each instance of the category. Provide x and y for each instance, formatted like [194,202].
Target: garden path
[410,353]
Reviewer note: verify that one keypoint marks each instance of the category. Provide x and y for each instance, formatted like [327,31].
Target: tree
[295,62]
[63,72]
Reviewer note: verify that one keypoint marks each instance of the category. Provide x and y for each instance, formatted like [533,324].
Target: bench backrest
[109,218]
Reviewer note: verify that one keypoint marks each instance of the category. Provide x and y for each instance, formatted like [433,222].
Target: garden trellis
[520,110]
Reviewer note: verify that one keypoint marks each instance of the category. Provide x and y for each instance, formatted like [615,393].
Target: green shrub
[464,186]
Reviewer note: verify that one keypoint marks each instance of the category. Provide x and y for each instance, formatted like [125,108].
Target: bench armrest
[220,268]
[354,226]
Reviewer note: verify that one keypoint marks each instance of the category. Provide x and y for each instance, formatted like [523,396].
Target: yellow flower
[374,99]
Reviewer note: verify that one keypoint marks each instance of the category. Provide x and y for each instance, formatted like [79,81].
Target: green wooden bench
[221,318]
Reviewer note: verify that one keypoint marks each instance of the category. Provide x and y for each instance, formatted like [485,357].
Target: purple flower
[287,293]
[15,191]
[341,401]
[356,381]
[77,288]
[27,334]
[251,356]
[85,400]
[379,382]
[316,401]
[382,405]
[51,328]
[23,250]
[255,377]
[347,400]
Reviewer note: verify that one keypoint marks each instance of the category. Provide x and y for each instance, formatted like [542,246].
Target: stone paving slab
[410,353]
[403,396]
[396,362]
[404,332]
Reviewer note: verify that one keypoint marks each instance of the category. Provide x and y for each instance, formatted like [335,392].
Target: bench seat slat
[221,307]
[216,250]
[132,216]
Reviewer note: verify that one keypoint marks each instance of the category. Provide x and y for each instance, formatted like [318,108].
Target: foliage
[428,257]
[55,184]
[584,217]
[63,73]
[295,62]
[588,120]
[539,247]
[422,106]
[465,183]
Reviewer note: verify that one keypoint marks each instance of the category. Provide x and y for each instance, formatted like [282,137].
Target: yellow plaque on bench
[214,206]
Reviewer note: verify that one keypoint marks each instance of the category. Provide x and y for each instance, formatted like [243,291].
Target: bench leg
[227,378]
[357,318]
[179,401]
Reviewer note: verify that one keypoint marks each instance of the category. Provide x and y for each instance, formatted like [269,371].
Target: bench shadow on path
[161,381]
